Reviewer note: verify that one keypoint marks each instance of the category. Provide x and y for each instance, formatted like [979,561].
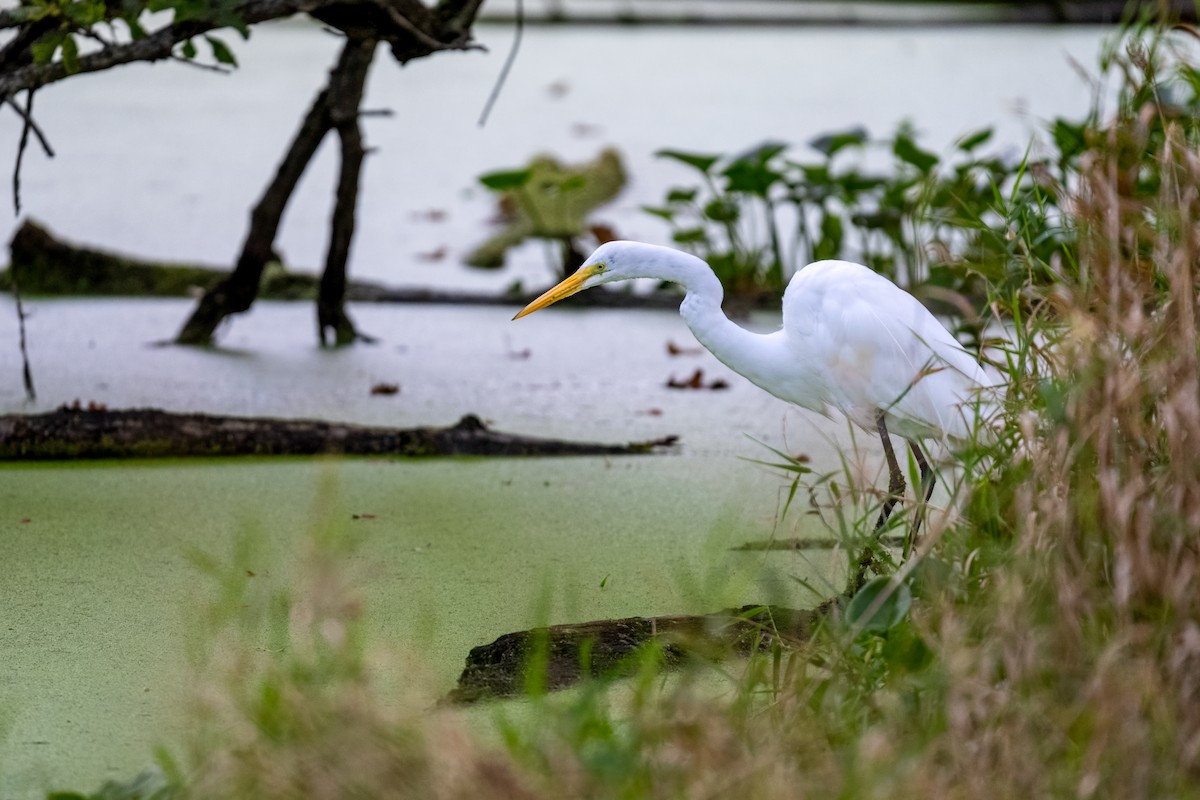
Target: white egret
[851,341]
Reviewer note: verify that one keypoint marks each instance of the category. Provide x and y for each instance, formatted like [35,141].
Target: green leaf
[573,183]
[690,236]
[906,150]
[887,602]
[1070,139]
[220,51]
[682,195]
[761,153]
[751,177]
[136,31]
[973,140]
[830,243]
[506,179]
[29,13]
[697,161]
[43,49]
[83,14]
[665,213]
[722,210]
[830,143]
[189,49]
[70,54]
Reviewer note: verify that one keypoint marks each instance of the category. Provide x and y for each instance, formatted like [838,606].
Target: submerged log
[562,655]
[78,433]
[808,544]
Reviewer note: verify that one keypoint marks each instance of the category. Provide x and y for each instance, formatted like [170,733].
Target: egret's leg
[927,480]
[895,476]
[895,491]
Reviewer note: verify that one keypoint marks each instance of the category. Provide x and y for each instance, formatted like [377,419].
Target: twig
[33,126]
[508,62]
[26,374]
[27,115]
[217,68]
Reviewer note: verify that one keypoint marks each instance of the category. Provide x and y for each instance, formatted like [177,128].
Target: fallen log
[83,433]
[808,544]
[562,655]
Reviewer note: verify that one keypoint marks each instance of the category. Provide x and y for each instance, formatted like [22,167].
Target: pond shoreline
[815,13]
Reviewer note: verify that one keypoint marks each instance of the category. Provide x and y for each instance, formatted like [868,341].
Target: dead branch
[78,433]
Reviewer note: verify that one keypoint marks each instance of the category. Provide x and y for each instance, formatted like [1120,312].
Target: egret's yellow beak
[567,288]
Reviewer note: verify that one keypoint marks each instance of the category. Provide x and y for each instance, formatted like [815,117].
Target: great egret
[851,340]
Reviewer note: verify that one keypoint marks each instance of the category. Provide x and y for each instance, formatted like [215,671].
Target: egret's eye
[600,268]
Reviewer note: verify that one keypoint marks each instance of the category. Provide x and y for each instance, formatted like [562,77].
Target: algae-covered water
[96,583]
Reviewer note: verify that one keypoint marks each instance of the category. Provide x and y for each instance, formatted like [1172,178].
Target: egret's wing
[881,350]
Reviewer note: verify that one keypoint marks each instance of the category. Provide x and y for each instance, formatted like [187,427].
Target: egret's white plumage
[851,341]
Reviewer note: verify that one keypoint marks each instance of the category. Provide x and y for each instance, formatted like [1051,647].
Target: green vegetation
[549,200]
[940,226]
[1045,643]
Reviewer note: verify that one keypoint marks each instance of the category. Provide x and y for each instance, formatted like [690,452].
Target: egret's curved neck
[754,355]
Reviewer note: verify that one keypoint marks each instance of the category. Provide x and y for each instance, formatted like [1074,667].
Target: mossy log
[808,544]
[71,433]
[562,655]
[44,264]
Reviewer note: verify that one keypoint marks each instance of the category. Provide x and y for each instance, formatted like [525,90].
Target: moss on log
[44,264]
[71,433]
[562,655]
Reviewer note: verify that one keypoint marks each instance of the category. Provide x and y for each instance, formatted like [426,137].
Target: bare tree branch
[33,126]
[24,142]
[155,47]
[504,70]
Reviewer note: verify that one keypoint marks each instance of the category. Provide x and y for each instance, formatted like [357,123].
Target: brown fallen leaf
[385,388]
[696,381]
[433,255]
[675,350]
[603,233]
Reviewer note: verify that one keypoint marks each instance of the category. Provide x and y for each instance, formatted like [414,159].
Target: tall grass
[1053,645]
